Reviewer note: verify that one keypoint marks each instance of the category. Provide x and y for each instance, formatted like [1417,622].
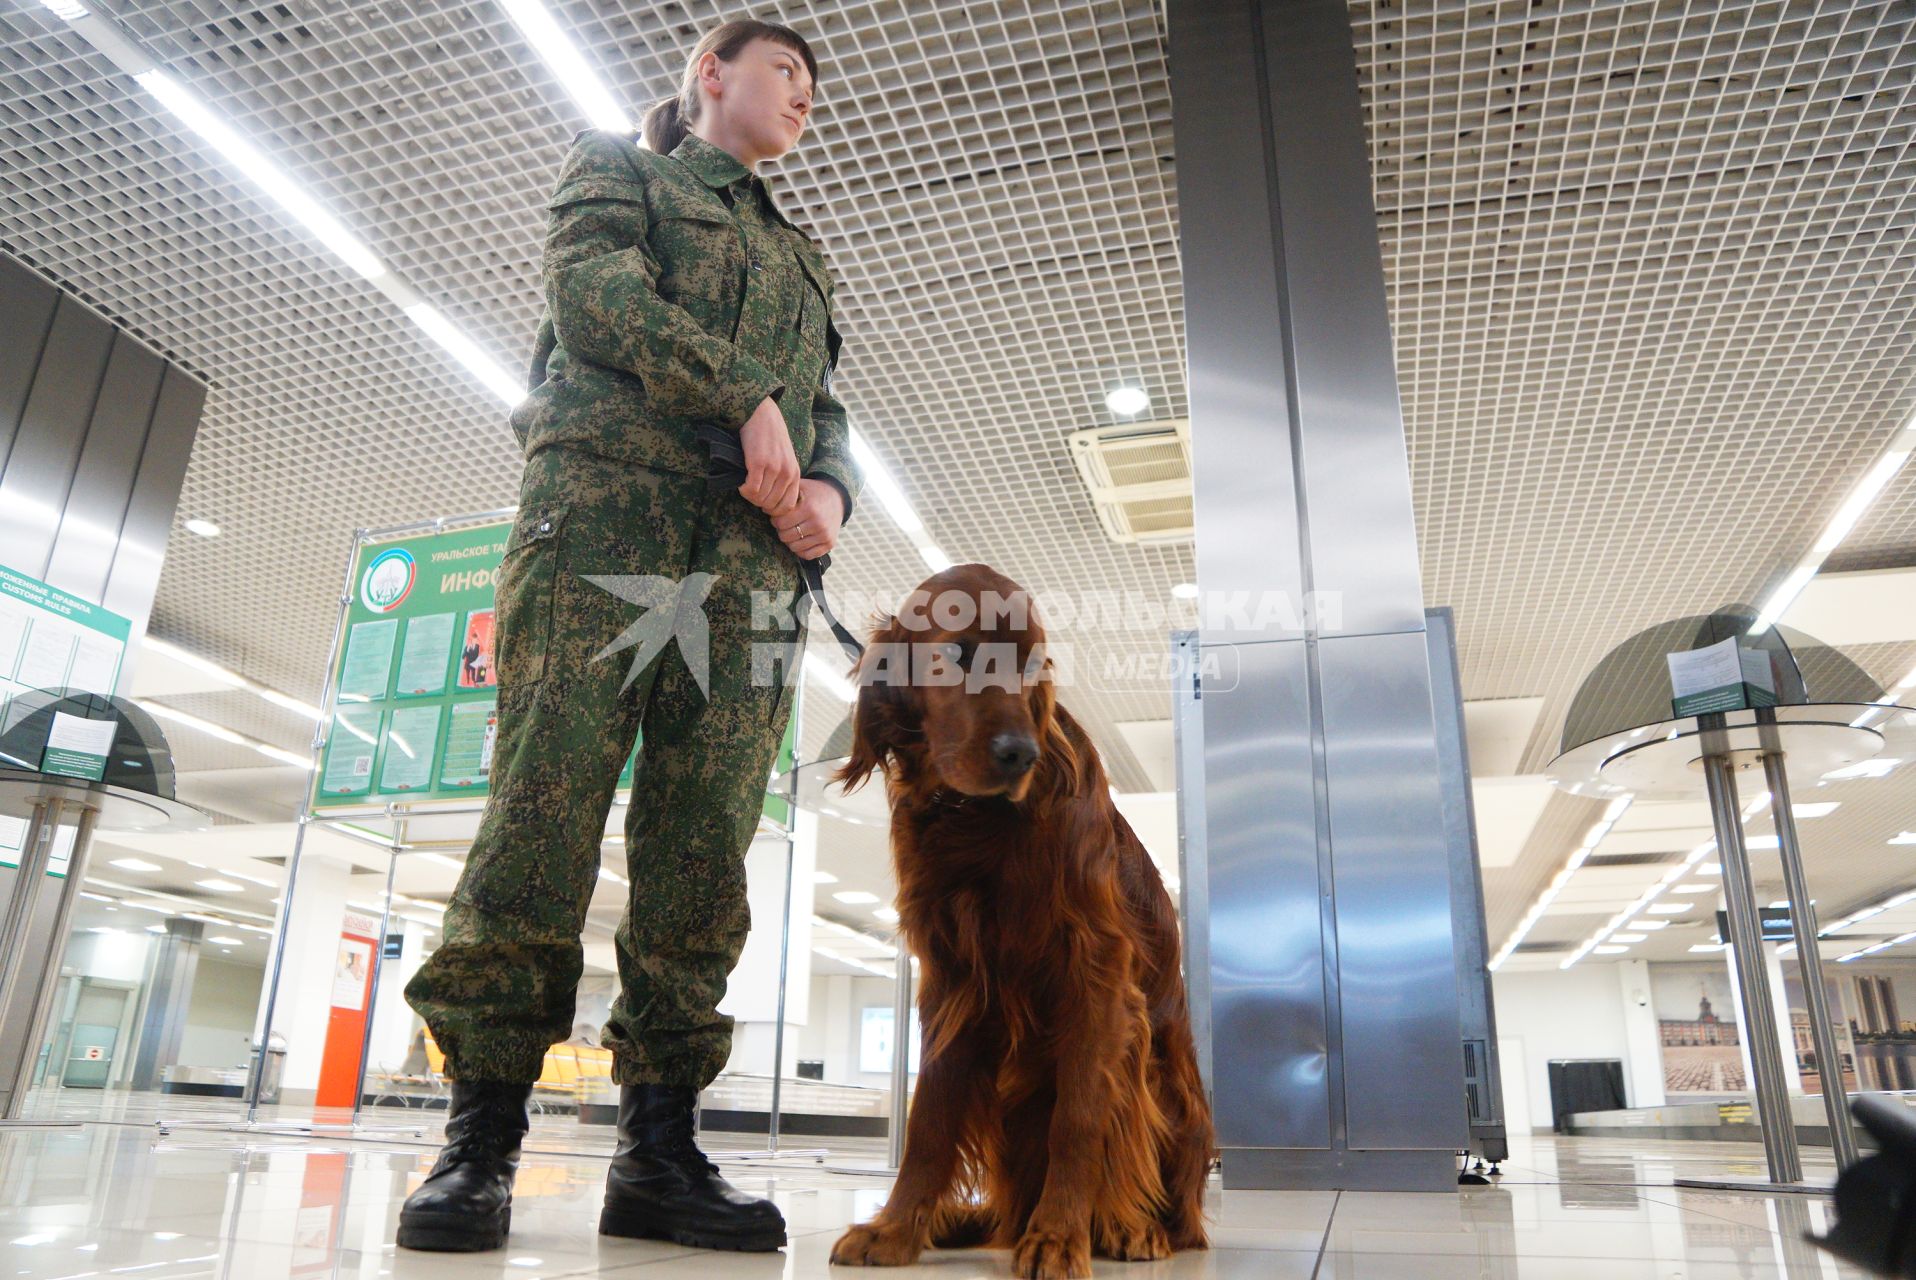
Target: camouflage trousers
[501,987]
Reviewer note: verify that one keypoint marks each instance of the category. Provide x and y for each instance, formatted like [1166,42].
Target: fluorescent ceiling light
[1821,809]
[1185,591]
[221,886]
[1858,502]
[224,941]
[1879,767]
[886,914]
[264,174]
[1641,925]
[878,481]
[824,877]
[1610,951]
[463,349]
[856,898]
[204,528]
[134,864]
[1628,937]
[227,676]
[567,65]
[934,557]
[223,734]
[1669,908]
[1694,888]
[1127,400]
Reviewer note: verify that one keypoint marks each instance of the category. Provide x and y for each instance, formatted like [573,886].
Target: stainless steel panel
[103,479]
[1362,540]
[1269,1036]
[27,302]
[156,496]
[1194,879]
[33,488]
[1476,1008]
[1247,531]
[1257,1169]
[1397,976]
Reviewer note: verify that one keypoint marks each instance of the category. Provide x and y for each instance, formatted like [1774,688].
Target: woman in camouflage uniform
[679,299]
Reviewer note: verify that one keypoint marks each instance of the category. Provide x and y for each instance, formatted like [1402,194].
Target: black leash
[726,473]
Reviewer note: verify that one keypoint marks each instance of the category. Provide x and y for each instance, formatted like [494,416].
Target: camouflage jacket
[677,294]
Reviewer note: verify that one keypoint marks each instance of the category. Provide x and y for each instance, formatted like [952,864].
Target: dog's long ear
[879,730]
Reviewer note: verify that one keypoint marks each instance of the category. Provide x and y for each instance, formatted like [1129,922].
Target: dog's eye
[961,652]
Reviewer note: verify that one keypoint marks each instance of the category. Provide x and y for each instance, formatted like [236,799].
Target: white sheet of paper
[49,648]
[77,733]
[96,664]
[1757,671]
[13,629]
[1711,667]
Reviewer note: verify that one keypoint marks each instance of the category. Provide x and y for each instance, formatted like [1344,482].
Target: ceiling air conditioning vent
[1139,477]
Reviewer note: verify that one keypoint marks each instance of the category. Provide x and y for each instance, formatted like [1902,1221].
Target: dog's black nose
[1014,752]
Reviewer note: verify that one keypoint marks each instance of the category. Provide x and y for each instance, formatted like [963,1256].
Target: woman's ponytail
[664,125]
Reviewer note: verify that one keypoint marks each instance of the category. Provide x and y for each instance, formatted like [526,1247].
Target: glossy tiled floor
[124,1199]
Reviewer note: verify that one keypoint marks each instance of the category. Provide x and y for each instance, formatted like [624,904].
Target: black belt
[725,474]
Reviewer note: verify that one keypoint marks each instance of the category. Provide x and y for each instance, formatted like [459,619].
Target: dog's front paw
[1146,1242]
[875,1245]
[1053,1255]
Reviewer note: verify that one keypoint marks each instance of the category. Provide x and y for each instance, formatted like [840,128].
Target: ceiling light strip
[186,107]
[1874,481]
[271,752]
[1591,839]
[574,74]
[1650,895]
[232,679]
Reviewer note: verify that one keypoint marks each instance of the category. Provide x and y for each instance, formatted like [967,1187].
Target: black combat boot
[661,1185]
[465,1203]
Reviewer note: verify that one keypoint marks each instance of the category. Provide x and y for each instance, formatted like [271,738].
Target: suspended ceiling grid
[1651,316]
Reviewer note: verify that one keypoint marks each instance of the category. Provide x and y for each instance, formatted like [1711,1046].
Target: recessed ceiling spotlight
[1185,590]
[205,528]
[1127,400]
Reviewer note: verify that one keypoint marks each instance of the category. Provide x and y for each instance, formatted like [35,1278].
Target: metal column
[1829,1055]
[1746,948]
[1336,1050]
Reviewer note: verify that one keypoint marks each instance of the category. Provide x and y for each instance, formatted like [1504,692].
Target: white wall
[220,1015]
[1574,1013]
[305,998]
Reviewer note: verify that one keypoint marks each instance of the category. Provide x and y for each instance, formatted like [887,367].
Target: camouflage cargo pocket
[528,576]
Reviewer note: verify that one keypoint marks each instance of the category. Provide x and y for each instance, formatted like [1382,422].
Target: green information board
[416,713]
[52,640]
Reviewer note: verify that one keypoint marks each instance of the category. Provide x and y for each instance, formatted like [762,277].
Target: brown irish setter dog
[1059,1111]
